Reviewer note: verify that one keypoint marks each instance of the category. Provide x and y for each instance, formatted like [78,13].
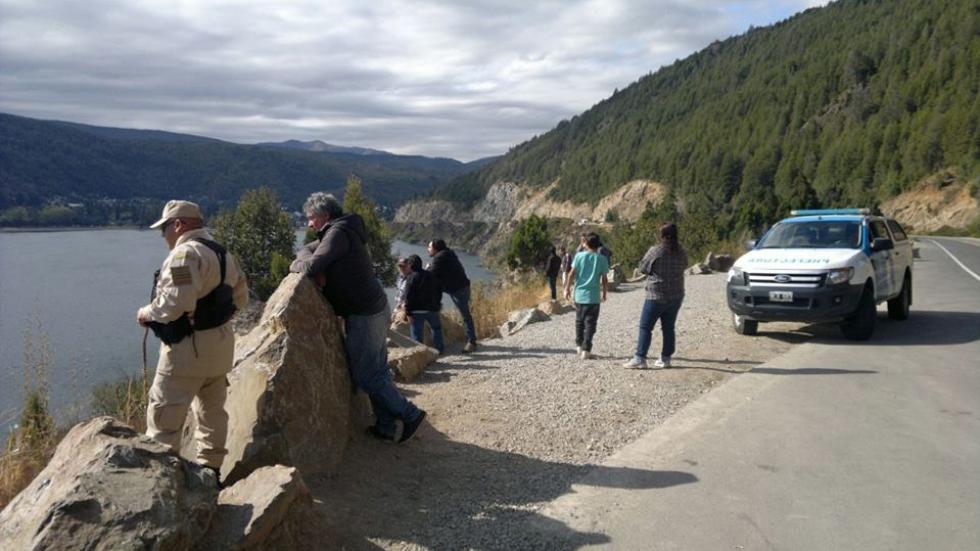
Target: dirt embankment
[931,206]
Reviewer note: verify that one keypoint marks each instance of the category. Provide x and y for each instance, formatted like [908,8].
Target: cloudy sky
[462,79]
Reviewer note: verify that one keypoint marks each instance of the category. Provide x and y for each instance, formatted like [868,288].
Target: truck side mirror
[750,244]
[882,244]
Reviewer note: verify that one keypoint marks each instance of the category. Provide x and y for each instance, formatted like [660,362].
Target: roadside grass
[971,230]
[491,304]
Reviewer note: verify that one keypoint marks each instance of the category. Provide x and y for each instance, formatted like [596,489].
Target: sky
[423,77]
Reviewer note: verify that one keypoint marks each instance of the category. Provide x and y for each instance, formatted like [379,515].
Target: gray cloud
[463,80]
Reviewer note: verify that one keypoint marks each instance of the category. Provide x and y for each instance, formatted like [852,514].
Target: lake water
[82,289]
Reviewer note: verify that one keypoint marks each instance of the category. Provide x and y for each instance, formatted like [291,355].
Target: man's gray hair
[323,203]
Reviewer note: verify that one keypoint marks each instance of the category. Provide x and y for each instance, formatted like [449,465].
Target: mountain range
[845,105]
[45,162]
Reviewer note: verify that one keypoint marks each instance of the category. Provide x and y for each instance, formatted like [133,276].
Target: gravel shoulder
[513,425]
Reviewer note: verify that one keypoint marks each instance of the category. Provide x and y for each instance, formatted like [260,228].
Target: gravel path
[514,424]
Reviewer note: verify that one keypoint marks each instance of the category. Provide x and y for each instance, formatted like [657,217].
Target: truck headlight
[840,275]
[736,276]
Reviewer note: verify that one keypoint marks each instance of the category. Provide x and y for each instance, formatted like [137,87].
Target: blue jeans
[367,358]
[461,299]
[666,312]
[418,328]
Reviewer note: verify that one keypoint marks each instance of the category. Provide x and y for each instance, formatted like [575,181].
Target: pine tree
[379,238]
[260,236]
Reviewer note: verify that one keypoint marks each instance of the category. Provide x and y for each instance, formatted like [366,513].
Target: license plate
[781,296]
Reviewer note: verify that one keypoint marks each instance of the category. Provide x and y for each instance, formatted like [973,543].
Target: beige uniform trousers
[170,398]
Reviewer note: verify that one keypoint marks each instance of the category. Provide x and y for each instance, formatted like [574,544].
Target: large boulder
[519,319]
[271,509]
[555,307]
[453,332]
[108,487]
[699,269]
[408,363]
[290,397]
[719,262]
[616,274]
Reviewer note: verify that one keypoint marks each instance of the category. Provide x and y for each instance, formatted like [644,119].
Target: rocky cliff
[931,206]
[485,228]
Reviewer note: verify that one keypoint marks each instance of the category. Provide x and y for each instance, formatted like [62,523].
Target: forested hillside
[844,105]
[45,161]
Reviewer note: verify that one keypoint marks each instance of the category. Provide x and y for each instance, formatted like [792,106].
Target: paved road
[834,445]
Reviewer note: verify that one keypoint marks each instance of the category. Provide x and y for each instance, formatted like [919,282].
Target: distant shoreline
[49,229]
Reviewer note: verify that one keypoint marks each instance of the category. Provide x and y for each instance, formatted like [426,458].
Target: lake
[80,290]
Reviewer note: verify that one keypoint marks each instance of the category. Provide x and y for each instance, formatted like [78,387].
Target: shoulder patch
[181,275]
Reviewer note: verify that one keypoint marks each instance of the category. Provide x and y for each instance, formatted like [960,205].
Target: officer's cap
[178,209]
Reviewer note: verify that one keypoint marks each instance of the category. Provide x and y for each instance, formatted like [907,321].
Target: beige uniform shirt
[190,272]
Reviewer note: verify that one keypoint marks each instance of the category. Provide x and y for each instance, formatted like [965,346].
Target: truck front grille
[786,280]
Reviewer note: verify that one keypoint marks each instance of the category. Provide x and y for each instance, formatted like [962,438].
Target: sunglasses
[163,228]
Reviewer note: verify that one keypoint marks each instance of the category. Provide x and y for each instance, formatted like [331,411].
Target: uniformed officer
[197,291]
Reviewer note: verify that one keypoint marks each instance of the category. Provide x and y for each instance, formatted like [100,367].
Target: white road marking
[956,260]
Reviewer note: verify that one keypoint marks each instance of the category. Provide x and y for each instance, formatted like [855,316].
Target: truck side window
[897,230]
[878,229]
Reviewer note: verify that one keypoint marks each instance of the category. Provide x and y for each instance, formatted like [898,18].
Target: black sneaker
[373,431]
[411,426]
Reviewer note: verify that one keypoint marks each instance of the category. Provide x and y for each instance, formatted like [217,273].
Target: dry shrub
[490,304]
[125,400]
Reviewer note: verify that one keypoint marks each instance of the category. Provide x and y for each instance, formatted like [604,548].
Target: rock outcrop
[108,487]
[520,318]
[271,509]
[409,363]
[555,307]
[290,397]
[499,204]
[929,207]
[699,269]
[719,262]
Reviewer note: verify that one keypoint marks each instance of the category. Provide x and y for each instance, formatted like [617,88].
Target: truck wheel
[898,307]
[861,324]
[744,326]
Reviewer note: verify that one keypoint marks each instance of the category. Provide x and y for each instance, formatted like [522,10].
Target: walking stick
[146,331]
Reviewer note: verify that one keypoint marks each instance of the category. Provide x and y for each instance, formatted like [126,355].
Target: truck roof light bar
[822,212]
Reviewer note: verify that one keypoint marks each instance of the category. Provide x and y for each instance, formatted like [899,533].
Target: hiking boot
[586,355]
[376,433]
[636,363]
[578,350]
[662,362]
[470,347]
[411,426]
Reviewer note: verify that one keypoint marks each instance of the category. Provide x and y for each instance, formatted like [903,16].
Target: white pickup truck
[831,265]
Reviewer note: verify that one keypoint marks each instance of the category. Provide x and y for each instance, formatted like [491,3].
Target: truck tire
[744,326]
[861,324]
[898,307]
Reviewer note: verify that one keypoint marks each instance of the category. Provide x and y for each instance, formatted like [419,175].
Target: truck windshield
[818,234]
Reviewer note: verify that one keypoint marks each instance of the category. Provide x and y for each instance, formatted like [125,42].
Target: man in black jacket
[339,263]
[449,271]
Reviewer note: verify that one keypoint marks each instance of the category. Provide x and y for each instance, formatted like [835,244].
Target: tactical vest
[212,310]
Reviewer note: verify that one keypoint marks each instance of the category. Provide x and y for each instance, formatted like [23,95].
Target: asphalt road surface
[835,445]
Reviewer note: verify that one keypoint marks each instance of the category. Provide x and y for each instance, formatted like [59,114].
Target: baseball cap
[178,209]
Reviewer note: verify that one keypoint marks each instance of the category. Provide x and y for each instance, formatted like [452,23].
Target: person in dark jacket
[445,265]
[552,269]
[664,265]
[423,301]
[339,263]
[566,264]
